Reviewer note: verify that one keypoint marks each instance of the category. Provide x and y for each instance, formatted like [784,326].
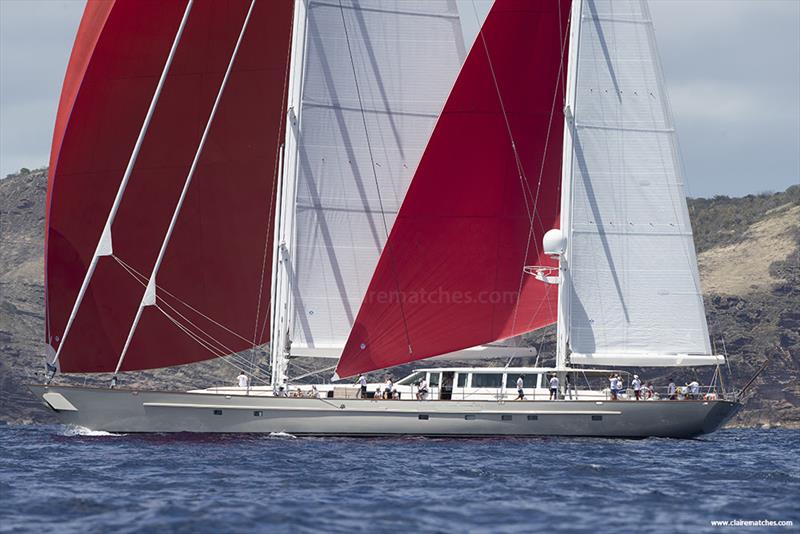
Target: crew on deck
[554,388]
[362,381]
[520,391]
[637,387]
[422,391]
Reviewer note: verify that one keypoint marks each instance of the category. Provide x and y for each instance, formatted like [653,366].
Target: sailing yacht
[375,182]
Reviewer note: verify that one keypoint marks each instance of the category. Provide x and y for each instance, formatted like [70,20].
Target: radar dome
[554,242]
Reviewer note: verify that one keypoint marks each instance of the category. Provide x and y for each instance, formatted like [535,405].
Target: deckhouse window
[462,380]
[480,380]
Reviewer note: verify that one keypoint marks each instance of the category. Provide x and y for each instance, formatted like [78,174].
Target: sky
[732,69]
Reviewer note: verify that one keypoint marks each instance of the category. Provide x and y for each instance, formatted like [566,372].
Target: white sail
[376,74]
[632,283]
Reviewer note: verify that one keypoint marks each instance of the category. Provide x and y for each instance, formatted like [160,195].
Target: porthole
[469,417]
[217,412]
[423,417]
[505,417]
[257,413]
[533,418]
[597,418]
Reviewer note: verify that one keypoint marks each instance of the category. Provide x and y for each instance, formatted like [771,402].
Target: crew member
[362,381]
[554,388]
[520,392]
[637,387]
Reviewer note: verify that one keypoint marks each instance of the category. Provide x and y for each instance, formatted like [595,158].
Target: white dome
[554,242]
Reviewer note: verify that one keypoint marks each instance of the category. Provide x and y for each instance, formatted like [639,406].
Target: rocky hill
[748,250]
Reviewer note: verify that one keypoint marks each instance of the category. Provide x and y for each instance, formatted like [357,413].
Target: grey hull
[122,410]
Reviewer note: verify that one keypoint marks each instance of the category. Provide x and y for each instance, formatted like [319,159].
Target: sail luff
[562,328]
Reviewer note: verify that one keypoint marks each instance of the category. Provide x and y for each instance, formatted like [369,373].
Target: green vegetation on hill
[723,220]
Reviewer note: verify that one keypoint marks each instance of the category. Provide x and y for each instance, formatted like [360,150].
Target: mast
[562,328]
[282,269]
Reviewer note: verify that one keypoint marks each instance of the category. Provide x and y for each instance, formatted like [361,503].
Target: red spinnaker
[213,266]
[449,276]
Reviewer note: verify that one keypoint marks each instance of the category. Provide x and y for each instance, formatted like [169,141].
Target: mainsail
[375,76]
[210,285]
[486,189]
[632,285]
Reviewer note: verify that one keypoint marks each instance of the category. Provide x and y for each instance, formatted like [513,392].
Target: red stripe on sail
[214,262]
[449,276]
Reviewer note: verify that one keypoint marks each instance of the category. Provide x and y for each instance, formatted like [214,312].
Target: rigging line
[387,249]
[323,372]
[144,284]
[563,40]
[273,199]
[143,280]
[223,357]
[226,352]
[520,170]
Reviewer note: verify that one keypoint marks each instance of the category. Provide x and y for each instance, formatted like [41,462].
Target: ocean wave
[282,435]
[75,430]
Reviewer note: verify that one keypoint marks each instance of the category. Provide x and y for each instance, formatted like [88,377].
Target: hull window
[423,417]
[258,413]
[505,418]
[469,417]
[533,418]
[597,418]
[217,412]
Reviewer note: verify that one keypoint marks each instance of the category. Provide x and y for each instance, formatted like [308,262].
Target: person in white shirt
[672,390]
[387,389]
[694,389]
[422,391]
[637,387]
[362,381]
[614,386]
[554,388]
[243,380]
[520,391]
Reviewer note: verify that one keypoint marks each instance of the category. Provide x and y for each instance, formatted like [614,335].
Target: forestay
[633,286]
[376,75]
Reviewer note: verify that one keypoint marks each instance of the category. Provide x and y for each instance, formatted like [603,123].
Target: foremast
[282,262]
[560,242]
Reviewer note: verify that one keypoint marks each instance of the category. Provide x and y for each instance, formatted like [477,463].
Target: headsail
[633,285]
[210,280]
[451,274]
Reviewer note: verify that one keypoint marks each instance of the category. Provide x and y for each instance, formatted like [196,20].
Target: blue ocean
[57,479]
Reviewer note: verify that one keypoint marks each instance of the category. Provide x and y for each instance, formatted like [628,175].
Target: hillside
[748,251]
